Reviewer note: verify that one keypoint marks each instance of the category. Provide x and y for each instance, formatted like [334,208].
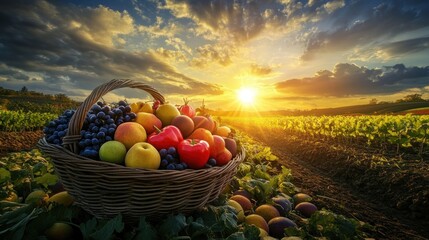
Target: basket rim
[43,144]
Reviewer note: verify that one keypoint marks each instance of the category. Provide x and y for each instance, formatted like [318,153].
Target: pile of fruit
[273,217]
[149,135]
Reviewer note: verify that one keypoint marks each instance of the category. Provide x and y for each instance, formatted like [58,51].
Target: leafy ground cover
[381,188]
[261,175]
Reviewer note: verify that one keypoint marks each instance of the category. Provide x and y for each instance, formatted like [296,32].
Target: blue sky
[295,54]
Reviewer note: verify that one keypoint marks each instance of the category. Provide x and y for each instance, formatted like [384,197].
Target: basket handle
[72,137]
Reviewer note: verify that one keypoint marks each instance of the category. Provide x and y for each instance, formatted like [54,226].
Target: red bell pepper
[169,136]
[194,152]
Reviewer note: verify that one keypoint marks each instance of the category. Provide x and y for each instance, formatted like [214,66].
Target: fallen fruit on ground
[238,209]
[59,231]
[282,204]
[245,203]
[277,226]
[37,197]
[243,193]
[301,197]
[306,209]
[63,198]
[258,221]
[267,211]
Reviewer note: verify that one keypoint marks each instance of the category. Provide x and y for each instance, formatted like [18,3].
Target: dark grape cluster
[100,126]
[170,159]
[56,129]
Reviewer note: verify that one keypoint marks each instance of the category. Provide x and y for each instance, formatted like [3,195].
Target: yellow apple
[166,113]
[143,155]
[223,131]
[148,121]
[130,133]
[113,151]
[141,107]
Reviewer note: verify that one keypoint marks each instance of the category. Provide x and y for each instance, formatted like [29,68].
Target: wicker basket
[105,189]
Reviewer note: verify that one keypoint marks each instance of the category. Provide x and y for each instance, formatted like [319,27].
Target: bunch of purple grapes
[100,125]
[56,129]
[170,159]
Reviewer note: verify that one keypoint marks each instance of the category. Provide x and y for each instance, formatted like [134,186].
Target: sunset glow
[305,54]
[246,95]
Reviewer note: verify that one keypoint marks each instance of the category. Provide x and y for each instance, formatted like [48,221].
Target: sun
[247,95]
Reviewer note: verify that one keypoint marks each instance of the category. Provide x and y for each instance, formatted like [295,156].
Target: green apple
[113,151]
[143,155]
[166,113]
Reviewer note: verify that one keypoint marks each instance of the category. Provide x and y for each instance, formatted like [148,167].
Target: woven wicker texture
[105,189]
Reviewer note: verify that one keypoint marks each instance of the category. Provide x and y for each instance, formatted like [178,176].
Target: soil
[394,201]
[18,141]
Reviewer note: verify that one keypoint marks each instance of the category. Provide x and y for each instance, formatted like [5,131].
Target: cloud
[77,48]
[349,79]
[229,25]
[355,26]
[393,50]
[222,54]
[259,70]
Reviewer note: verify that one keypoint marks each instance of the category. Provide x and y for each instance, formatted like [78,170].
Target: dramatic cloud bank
[350,79]
[72,48]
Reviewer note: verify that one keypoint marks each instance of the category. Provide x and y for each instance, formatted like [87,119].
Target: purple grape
[164,163]
[101,115]
[212,162]
[171,166]
[122,103]
[163,153]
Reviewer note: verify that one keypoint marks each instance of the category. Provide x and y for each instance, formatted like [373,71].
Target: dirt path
[340,197]
[18,141]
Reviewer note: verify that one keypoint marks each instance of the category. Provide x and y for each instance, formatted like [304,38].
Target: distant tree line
[408,98]
[25,100]
[25,92]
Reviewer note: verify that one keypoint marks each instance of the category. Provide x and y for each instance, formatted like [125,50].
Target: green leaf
[106,231]
[251,232]
[172,225]
[14,223]
[197,228]
[260,174]
[47,179]
[39,168]
[88,227]
[4,175]
[145,230]
[236,236]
